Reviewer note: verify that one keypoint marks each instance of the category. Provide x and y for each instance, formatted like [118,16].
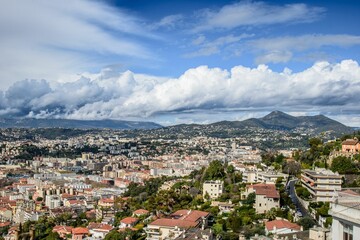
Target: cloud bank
[109,94]
[45,39]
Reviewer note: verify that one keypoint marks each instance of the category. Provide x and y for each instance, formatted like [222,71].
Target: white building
[53,201]
[345,211]
[321,183]
[213,188]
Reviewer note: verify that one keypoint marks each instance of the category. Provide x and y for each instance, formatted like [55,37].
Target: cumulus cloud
[251,13]
[44,39]
[110,94]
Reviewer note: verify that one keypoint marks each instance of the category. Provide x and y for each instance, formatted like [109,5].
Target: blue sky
[179,61]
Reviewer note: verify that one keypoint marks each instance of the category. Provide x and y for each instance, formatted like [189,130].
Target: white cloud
[46,39]
[274,57]
[208,48]
[326,87]
[281,49]
[168,22]
[305,42]
[249,13]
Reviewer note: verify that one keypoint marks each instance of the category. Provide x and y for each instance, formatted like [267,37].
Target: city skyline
[178,61]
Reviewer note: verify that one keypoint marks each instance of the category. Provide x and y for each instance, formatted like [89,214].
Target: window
[348,232]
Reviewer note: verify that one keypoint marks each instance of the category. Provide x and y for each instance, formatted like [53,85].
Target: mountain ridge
[72,123]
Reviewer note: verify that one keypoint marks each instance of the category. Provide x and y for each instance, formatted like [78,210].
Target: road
[294,198]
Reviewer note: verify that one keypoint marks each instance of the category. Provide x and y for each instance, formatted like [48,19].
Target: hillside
[79,124]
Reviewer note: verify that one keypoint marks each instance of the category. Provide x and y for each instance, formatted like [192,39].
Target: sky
[181,61]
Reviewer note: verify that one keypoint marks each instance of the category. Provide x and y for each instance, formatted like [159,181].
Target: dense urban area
[106,184]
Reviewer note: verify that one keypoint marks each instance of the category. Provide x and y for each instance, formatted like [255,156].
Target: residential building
[79,233]
[281,227]
[172,226]
[128,222]
[213,188]
[269,176]
[53,201]
[99,230]
[63,231]
[345,210]
[267,197]
[351,145]
[321,183]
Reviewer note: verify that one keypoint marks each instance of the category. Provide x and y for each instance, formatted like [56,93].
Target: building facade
[321,183]
[345,211]
[213,188]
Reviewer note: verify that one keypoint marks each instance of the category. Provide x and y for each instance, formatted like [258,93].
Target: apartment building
[345,210]
[321,183]
[213,188]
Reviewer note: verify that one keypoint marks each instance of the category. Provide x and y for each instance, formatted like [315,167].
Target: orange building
[351,145]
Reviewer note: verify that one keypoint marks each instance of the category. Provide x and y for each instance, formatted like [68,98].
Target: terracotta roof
[165,222]
[99,227]
[141,212]
[189,215]
[280,224]
[107,200]
[269,190]
[350,142]
[63,229]
[80,231]
[5,224]
[129,220]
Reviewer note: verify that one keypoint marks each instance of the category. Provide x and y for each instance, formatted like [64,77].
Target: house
[128,222]
[281,227]
[351,145]
[79,233]
[213,189]
[174,224]
[267,197]
[224,207]
[140,212]
[345,210]
[63,231]
[106,202]
[99,230]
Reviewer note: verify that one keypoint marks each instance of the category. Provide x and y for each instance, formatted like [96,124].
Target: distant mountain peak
[277,114]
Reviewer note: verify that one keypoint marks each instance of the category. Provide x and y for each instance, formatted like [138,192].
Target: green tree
[306,222]
[215,171]
[343,165]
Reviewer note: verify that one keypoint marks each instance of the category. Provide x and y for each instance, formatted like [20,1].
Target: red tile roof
[350,142]
[165,222]
[182,218]
[269,190]
[280,224]
[80,231]
[5,224]
[141,212]
[62,229]
[129,220]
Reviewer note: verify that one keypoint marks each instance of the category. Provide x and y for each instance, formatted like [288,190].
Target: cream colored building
[345,210]
[267,197]
[213,188]
[321,183]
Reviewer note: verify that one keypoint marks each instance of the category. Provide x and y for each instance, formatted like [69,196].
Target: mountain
[80,124]
[278,120]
